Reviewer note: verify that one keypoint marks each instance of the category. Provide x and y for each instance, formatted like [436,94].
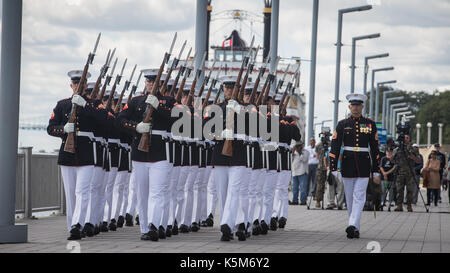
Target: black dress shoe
[204,224]
[210,220]
[169,231]
[195,227]
[104,227]
[241,232]
[112,225]
[184,229]
[350,232]
[161,232]
[256,228]
[128,220]
[264,228]
[153,233]
[274,223]
[75,233]
[145,237]
[340,208]
[120,222]
[226,233]
[357,234]
[282,222]
[96,230]
[175,229]
[89,230]
[137,221]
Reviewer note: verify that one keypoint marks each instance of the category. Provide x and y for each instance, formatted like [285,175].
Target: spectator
[312,167]
[387,169]
[417,168]
[441,157]
[434,182]
[300,158]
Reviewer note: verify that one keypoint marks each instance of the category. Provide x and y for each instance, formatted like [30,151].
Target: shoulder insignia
[125,107]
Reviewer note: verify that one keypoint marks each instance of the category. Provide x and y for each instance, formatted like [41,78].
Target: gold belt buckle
[356,149]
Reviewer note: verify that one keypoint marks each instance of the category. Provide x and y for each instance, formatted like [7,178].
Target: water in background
[39,140]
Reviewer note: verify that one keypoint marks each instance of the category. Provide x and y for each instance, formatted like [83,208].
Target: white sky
[58,35]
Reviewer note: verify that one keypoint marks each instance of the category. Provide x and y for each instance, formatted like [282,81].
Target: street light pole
[393,120]
[312,80]
[429,125]
[373,88]
[391,113]
[338,56]
[377,99]
[383,112]
[355,39]
[389,110]
[366,72]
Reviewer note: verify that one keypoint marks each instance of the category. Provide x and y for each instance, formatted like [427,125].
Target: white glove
[153,101]
[69,128]
[234,105]
[227,134]
[375,175]
[79,100]
[142,128]
[335,173]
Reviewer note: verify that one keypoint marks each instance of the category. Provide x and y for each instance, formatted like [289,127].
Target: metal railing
[39,185]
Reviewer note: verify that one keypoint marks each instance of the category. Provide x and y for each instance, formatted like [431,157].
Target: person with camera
[322,152]
[387,169]
[360,159]
[300,158]
[404,158]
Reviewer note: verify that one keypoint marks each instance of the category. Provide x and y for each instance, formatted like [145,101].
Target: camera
[403,129]
[325,137]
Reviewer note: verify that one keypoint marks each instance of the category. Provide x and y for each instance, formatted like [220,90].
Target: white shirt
[312,155]
[300,163]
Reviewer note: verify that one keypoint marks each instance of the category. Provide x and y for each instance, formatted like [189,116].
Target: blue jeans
[312,171]
[302,182]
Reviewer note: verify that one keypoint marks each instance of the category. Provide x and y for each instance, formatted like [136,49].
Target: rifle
[211,87]
[262,71]
[125,88]
[206,81]
[134,88]
[216,99]
[102,75]
[288,89]
[144,144]
[187,74]
[291,91]
[249,70]
[180,73]
[70,145]
[172,68]
[270,79]
[113,89]
[198,73]
[228,145]
[280,85]
[107,81]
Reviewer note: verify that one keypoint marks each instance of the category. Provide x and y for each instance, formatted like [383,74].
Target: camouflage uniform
[405,174]
[321,177]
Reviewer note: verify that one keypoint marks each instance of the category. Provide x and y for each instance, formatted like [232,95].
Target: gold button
[357,144]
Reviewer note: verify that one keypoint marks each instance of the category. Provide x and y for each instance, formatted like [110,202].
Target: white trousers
[281,199]
[184,173]
[188,205]
[355,194]
[76,182]
[228,181]
[132,195]
[117,197]
[255,189]
[94,196]
[100,208]
[212,194]
[204,194]
[109,194]
[152,186]
[199,195]
[174,177]
[242,215]
[126,192]
[167,198]
[268,195]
